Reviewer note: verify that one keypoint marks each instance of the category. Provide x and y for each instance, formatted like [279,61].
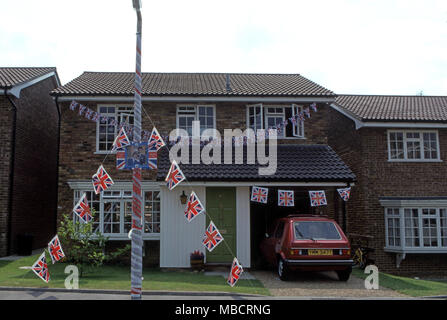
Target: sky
[348,46]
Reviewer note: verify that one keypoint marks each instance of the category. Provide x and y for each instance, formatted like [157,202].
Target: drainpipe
[344,212]
[57,159]
[11,173]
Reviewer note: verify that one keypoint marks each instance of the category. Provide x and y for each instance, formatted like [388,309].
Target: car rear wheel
[283,271]
[343,275]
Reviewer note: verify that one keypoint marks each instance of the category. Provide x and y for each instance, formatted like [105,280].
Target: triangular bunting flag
[40,268]
[55,250]
[82,209]
[194,207]
[155,141]
[121,140]
[212,237]
[344,193]
[101,180]
[175,176]
[235,273]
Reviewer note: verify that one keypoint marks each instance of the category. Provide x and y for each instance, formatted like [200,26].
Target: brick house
[29,145]
[397,148]
[218,101]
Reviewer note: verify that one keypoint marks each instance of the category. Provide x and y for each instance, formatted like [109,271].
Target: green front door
[221,207]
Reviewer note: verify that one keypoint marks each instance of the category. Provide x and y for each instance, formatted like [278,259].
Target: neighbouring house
[29,130]
[397,148]
[221,101]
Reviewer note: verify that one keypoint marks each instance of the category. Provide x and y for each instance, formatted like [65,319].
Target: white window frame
[195,113]
[297,130]
[115,116]
[421,141]
[123,195]
[415,249]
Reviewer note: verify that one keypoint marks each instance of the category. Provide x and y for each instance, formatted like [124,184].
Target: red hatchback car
[308,243]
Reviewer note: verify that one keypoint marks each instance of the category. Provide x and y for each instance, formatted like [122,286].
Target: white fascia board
[260,183]
[413,203]
[15,91]
[386,124]
[118,185]
[199,99]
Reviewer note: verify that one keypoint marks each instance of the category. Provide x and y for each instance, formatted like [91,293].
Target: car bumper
[319,262]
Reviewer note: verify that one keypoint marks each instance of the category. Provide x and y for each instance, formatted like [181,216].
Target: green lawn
[408,286]
[118,278]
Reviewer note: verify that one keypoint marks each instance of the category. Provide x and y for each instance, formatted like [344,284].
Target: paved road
[27,294]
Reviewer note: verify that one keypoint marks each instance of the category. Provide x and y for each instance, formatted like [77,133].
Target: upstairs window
[106,133]
[413,145]
[261,116]
[186,114]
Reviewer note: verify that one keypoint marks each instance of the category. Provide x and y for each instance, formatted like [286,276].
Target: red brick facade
[365,151]
[35,166]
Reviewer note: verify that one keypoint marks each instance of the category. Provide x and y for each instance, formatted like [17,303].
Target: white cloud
[375,47]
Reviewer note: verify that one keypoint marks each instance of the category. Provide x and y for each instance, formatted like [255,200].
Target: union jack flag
[285,198]
[82,209]
[55,250]
[259,194]
[301,116]
[121,140]
[212,237]
[155,141]
[73,105]
[317,198]
[194,207]
[175,176]
[313,106]
[235,273]
[40,268]
[120,159]
[307,112]
[152,158]
[81,109]
[344,193]
[101,180]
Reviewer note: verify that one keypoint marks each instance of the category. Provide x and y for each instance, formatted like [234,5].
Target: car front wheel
[283,271]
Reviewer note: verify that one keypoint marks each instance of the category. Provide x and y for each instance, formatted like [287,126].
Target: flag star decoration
[120,159]
[121,140]
[155,141]
[175,176]
[55,250]
[82,209]
[344,193]
[285,198]
[101,180]
[194,207]
[317,198]
[40,268]
[259,194]
[212,237]
[235,273]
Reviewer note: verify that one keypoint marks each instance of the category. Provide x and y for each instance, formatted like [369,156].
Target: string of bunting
[126,129]
[101,180]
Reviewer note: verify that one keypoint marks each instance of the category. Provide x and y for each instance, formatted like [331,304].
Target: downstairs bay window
[113,212]
[416,229]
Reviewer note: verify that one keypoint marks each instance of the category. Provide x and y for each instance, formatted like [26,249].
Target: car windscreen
[316,230]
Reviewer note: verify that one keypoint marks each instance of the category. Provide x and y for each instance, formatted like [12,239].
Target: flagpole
[137,240]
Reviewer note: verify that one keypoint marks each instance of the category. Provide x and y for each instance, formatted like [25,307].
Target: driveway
[320,284]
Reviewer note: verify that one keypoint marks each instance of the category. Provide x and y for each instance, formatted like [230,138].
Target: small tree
[84,247]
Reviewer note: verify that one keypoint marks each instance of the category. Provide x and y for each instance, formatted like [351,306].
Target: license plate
[320,252]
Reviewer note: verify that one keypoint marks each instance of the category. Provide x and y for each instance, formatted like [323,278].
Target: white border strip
[15,90]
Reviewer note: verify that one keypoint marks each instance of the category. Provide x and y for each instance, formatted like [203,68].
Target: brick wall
[6,120]
[78,142]
[366,153]
[35,169]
